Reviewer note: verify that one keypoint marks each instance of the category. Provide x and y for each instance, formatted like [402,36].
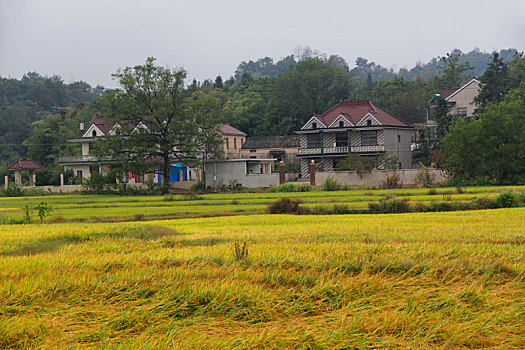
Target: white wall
[228,173]
[406,177]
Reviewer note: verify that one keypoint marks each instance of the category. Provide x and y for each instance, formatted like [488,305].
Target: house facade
[460,101]
[282,148]
[86,164]
[353,126]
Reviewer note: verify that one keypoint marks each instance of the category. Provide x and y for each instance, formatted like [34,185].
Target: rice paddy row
[126,208]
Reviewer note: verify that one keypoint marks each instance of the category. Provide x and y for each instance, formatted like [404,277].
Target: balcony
[81,159]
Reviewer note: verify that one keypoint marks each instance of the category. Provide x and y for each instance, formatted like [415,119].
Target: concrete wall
[230,173]
[86,172]
[55,189]
[406,177]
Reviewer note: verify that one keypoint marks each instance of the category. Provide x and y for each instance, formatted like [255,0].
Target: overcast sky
[89,39]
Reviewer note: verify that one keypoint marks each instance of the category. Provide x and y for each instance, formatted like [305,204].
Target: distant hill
[265,67]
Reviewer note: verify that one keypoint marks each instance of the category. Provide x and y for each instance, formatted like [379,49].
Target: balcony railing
[307,151]
[376,148]
[342,150]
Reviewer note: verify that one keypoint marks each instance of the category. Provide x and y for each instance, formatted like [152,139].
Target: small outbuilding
[24,164]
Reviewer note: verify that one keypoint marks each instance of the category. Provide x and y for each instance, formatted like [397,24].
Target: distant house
[460,101]
[353,126]
[282,148]
[87,164]
[233,141]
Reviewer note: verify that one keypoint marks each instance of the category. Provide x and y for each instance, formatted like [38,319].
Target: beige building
[233,141]
[461,100]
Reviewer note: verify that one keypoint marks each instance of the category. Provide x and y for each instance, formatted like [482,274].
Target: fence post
[61,179]
[312,173]
[282,173]
[6,181]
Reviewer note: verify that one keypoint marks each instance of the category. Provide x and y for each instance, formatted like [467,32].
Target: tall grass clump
[331,184]
[240,251]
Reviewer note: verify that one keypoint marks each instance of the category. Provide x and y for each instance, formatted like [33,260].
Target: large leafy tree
[453,72]
[312,86]
[158,120]
[494,82]
[491,148]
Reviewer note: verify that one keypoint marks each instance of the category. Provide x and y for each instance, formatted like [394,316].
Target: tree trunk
[166,173]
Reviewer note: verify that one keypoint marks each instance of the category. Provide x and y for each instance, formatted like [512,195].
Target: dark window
[313,141]
[94,133]
[341,124]
[369,138]
[235,143]
[341,139]
[368,122]
[398,138]
[314,125]
[462,111]
[253,150]
[253,157]
[227,143]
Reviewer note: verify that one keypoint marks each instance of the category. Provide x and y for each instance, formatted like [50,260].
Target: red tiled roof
[354,111]
[230,130]
[448,92]
[102,124]
[24,164]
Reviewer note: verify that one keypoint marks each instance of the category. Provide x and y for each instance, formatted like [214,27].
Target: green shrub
[440,206]
[43,211]
[335,209]
[331,184]
[287,206]
[508,200]
[483,203]
[394,205]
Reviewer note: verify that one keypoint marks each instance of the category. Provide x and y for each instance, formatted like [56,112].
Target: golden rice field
[453,280]
[97,208]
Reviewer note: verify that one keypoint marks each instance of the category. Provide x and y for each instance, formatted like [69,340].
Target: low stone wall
[55,189]
[406,177]
[183,185]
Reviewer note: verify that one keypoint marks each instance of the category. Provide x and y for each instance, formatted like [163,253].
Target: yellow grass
[434,280]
